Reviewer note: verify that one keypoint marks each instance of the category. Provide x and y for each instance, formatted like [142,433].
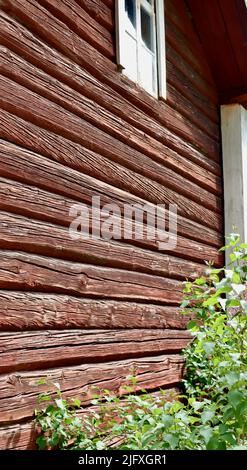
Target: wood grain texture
[197,71]
[62,38]
[51,116]
[41,311]
[25,166]
[64,69]
[64,11]
[180,99]
[75,155]
[34,350]
[221,27]
[178,77]
[19,391]
[179,15]
[84,25]
[23,436]
[189,49]
[41,83]
[18,437]
[101,11]
[28,272]
[88,313]
[36,203]
[40,237]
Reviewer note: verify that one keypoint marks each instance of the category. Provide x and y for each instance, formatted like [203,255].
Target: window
[141,43]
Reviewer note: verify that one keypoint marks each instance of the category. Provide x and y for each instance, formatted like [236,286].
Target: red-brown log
[40,82]
[36,203]
[19,164]
[40,311]
[34,236]
[48,115]
[28,350]
[65,70]
[35,273]
[23,436]
[19,391]
[62,38]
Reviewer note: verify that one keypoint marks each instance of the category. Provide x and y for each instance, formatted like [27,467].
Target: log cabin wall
[91,312]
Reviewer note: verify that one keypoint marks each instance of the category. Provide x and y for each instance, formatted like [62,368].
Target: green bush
[211,413]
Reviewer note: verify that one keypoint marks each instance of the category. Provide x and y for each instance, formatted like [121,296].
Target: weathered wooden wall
[71,127]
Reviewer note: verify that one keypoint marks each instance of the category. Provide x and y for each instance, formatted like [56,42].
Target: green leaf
[222,290]
[208,347]
[172,440]
[54,440]
[231,378]
[197,405]
[43,397]
[207,415]
[76,402]
[206,432]
[200,281]
[41,382]
[228,437]
[60,403]
[215,444]
[210,302]
[239,288]
[233,303]
[235,397]
[243,246]
[185,303]
[41,442]
[191,324]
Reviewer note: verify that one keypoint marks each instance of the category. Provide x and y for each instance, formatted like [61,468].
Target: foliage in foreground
[212,412]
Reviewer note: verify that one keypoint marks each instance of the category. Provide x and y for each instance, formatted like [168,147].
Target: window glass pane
[146,29]
[130,9]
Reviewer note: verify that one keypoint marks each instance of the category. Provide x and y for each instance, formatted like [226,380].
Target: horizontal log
[38,237]
[23,165]
[38,204]
[83,25]
[42,112]
[187,50]
[109,3]
[179,15]
[14,158]
[40,311]
[28,350]
[20,164]
[34,273]
[177,46]
[75,127]
[18,437]
[36,80]
[58,35]
[195,63]
[178,78]
[78,78]
[23,436]
[19,391]
[100,10]
[180,98]
[189,47]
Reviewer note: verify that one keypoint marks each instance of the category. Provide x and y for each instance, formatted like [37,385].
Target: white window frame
[157,9]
